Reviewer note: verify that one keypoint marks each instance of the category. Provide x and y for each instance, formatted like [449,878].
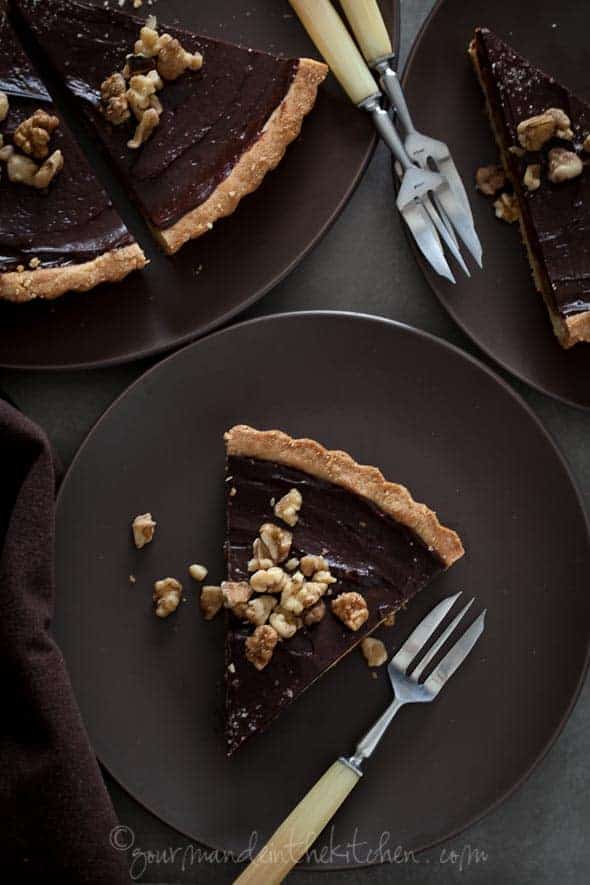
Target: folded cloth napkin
[55,813]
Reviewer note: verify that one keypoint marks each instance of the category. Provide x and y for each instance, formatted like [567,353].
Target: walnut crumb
[288,507]
[143,527]
[536,131]
[276,540]
[314,614]
[269,580]
[33,135]
[506,207]
[285,623]
[174,60]
[235,595]
[563,165]
[374,651]
[389,620]
[198,572]
[4,106]
[113,99]
[132,579]
[34,263]
[257,610]
[211,601]
[351,609]
[144,129]
[490,179]
[260,646]
[532,177]
[167,594]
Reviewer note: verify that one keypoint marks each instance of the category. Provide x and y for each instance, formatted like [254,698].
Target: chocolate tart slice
[377,543]
[554,218]
[222,128]
[65,236]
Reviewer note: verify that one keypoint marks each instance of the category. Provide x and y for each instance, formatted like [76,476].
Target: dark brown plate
[210,280]
[498,307]
[429,416]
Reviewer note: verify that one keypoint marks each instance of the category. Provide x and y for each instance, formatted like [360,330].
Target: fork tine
[422,633]
[449,238]
[419,670]
[455,657]
[427,239]
[460,220]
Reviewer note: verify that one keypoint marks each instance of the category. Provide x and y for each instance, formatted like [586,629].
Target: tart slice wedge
[543,133]
[320,551]
[58,229]
[219,116]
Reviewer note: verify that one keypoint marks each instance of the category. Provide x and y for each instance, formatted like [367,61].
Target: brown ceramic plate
[210,280]
[499,307]
[429,416]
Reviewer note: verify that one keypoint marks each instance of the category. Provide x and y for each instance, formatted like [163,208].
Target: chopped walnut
[143,527]
[490,179]
[324,577]
[269,580]
[292,564]
[260,646]
[374,651]
[536,131]
[285,623]
[47,172]
[235,593]
[314,614]
[310,593]
[276,540]
[142,88]
[148,43]
[114,103]
[562,124]
[506,207]
[211,601]
[352,609]
[290,601]
[197,571]
[166,595]
[174,60]
[258,610]
[23,170]
[563,165]
[389,620]
[144,128]
[532,176]
[4,106]
[261,558]
[289,506]
[309,565]
[33,135]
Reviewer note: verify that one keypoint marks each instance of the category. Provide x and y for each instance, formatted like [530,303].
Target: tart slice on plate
[193,124]
[543,134]
[58,229]
[320,551]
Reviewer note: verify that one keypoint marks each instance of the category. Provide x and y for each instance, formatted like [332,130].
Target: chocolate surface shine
[210,118]
[367,551]
[72,220]
[557,216]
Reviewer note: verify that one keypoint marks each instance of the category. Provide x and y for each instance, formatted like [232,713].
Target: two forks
[431,198]
[300,829]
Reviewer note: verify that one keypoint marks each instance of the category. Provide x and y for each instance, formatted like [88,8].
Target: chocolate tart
[555,218]
[376,540]
[69,230]
[222,129]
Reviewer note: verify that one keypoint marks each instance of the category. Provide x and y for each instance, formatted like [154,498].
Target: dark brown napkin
[55,813]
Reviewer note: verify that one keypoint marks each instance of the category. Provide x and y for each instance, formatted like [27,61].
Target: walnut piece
[490,179]
[113,95]
[374,651]
[235,593]
[292,564]
[389,620]
[142,87]
[197,571]
[314,614]
[536,131]
[288,507]
[309,565]
[50,168]
[352,609]
[285,623]
[4,106]
[23,170]
[166,595]
[532,176]
[144,128]
[506,207]
[211,601]
[276,540]
[261,558]
[33,135]
[260,646]
[174,60]
[563,165]
[143,527]
[270,580]
[148,43]
[258,610]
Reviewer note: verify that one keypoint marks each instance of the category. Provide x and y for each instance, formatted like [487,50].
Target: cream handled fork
[328,32]
[301,828]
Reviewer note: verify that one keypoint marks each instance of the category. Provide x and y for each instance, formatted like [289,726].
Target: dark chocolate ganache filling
[72,220]
[556,216]
[367,551]
[211,116]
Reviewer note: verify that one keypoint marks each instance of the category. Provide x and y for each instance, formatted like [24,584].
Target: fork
[300,829]
[427,221]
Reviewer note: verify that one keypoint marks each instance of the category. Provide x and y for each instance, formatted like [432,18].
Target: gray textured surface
[540,835]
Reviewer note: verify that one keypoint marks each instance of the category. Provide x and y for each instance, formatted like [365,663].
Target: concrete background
[540,835]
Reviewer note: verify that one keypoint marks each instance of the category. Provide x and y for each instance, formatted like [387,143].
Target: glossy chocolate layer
[210,116]
[71,221]
[556,216]
[367,551]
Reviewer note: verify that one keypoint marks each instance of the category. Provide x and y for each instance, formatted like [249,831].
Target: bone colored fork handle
[328,32]
[299,831]
[369,28]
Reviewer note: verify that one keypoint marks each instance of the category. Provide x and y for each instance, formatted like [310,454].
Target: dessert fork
[429,205]
[300,829]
